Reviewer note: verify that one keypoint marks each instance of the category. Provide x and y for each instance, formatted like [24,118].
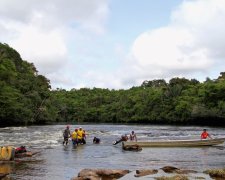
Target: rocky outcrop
[171,169]
[145,172]
[100,174]
[113,174]
[216,173]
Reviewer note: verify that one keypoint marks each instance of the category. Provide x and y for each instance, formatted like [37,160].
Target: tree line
[27,98]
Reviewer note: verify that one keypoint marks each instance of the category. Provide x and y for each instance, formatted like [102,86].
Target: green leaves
[26,98]
[22,91]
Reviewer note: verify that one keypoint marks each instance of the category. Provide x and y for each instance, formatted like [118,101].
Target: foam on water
[18,128]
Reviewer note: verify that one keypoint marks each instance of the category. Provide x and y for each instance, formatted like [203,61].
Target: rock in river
[97,174]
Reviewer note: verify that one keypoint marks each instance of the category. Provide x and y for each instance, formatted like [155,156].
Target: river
[58,162]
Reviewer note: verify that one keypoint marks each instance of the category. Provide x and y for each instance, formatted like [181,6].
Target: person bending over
[96,140]
[123,138]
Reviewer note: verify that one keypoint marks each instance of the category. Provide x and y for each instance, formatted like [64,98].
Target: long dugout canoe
[176,143]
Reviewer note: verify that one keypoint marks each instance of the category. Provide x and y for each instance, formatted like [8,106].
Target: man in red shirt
[205,135]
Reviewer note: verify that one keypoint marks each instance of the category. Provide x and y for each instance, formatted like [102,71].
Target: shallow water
[56,161]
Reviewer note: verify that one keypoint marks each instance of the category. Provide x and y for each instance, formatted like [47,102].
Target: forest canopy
[26,98]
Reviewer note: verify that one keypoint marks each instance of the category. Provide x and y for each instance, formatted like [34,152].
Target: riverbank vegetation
[26,98]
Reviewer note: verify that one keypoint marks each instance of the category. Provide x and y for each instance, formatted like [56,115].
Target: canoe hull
[182,143]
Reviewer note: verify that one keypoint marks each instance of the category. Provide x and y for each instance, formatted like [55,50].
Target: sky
[116,44]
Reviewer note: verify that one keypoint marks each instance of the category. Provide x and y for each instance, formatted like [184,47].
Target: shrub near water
[220,173]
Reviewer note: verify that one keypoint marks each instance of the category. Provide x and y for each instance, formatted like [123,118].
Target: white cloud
[46,50]
[43,32]
[169,48]
[61,39]
[103,80]
[205,21]
[193,42]
[52,13]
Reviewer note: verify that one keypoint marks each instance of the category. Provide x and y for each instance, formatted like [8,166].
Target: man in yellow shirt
[75,137]
[81,136]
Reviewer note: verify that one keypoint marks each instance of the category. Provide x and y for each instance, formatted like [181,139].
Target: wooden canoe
[176,143]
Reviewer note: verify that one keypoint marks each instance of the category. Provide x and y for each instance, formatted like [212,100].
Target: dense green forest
[26,98]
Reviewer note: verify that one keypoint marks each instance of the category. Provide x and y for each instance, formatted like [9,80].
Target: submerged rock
[132,148]
[176,177]
[169,169]
[185,171]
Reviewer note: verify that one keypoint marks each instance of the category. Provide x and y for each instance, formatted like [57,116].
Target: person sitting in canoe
[96,140]
[133,136]
[123,138]
[205,134]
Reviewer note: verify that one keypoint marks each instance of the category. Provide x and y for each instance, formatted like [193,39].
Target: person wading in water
[75,137]
[66,135]
[133,136]
[81,136]
[96,140]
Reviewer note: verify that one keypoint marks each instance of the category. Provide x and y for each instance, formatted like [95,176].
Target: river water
[58,162]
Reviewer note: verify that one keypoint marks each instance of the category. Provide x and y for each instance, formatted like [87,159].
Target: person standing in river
[75,137]
[66,135]
[133,136]
[81,136]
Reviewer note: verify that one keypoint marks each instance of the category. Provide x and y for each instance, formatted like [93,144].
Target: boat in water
[176,143]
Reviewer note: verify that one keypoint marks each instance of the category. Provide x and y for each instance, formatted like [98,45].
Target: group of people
[133,137]
[78,136]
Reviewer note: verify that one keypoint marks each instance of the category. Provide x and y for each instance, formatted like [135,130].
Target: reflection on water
[6,168]
[63,162]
